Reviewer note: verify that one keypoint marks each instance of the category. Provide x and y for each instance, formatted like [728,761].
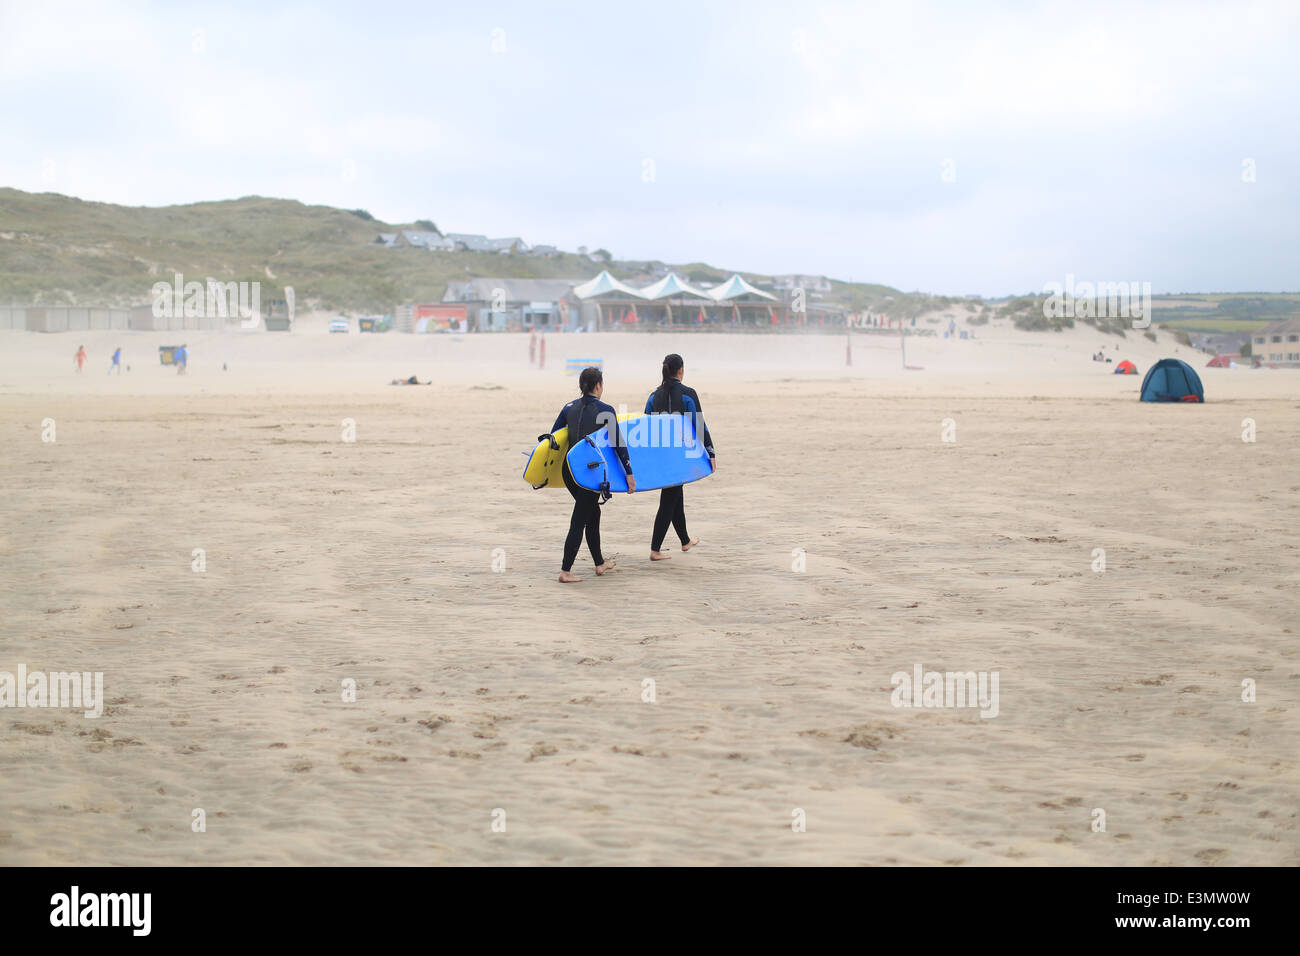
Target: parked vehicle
[338,325]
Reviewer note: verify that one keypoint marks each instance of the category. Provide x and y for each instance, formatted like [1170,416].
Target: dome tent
[1172,380]
[1126,368]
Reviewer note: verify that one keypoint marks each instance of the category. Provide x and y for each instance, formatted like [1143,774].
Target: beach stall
[612,300]
[673,290]
[748,304]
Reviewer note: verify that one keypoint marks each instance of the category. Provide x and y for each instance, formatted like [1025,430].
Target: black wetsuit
[673,396]
[582,417]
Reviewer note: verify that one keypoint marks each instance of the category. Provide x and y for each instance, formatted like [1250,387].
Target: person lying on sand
[408,381]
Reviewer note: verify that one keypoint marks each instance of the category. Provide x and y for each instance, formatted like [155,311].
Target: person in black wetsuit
[673,396]
[582,417]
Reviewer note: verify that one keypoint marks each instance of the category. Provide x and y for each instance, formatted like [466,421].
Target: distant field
[1225,313]
[1211,324]
[1213,299]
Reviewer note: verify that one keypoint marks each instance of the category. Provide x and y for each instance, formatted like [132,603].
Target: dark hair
[589,379]
[664,393]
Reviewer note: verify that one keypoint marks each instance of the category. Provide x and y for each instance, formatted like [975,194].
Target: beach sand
[843,542]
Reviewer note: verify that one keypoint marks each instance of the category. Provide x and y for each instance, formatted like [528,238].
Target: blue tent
[1171,380]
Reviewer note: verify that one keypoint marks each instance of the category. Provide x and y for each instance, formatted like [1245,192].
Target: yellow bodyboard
[545,468]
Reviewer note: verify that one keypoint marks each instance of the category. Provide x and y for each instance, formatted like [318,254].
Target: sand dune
[479,690]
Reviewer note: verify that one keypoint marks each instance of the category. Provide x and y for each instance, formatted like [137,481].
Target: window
[1259,340]
[1277,338]
[1293,338]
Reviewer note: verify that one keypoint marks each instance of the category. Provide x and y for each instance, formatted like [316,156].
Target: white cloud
[768,158]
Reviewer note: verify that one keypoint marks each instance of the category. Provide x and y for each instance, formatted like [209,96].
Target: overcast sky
[925,146]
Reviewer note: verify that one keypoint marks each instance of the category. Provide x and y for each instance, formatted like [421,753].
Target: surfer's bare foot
[659,556]
[607,566]
[567,577]
[690,544]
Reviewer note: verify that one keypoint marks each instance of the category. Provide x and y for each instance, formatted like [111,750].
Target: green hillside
[56,250]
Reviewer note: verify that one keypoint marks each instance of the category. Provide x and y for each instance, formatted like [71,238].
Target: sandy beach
[843,542]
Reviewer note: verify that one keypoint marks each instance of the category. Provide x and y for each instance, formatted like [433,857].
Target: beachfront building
[673,294]
[606,303]
[615,302]
[1278,344]
[745,304]
[88,319]
[673,301]
[503,305]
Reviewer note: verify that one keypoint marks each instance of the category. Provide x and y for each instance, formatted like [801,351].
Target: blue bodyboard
[663,450]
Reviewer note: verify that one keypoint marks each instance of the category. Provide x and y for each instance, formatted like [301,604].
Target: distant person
[532,346]
[673,396]
[117,361]
[585,416]
[80,357]
[180,357]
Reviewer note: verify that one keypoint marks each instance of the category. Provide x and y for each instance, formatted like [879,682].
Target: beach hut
[1172,380]
[1126,368]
